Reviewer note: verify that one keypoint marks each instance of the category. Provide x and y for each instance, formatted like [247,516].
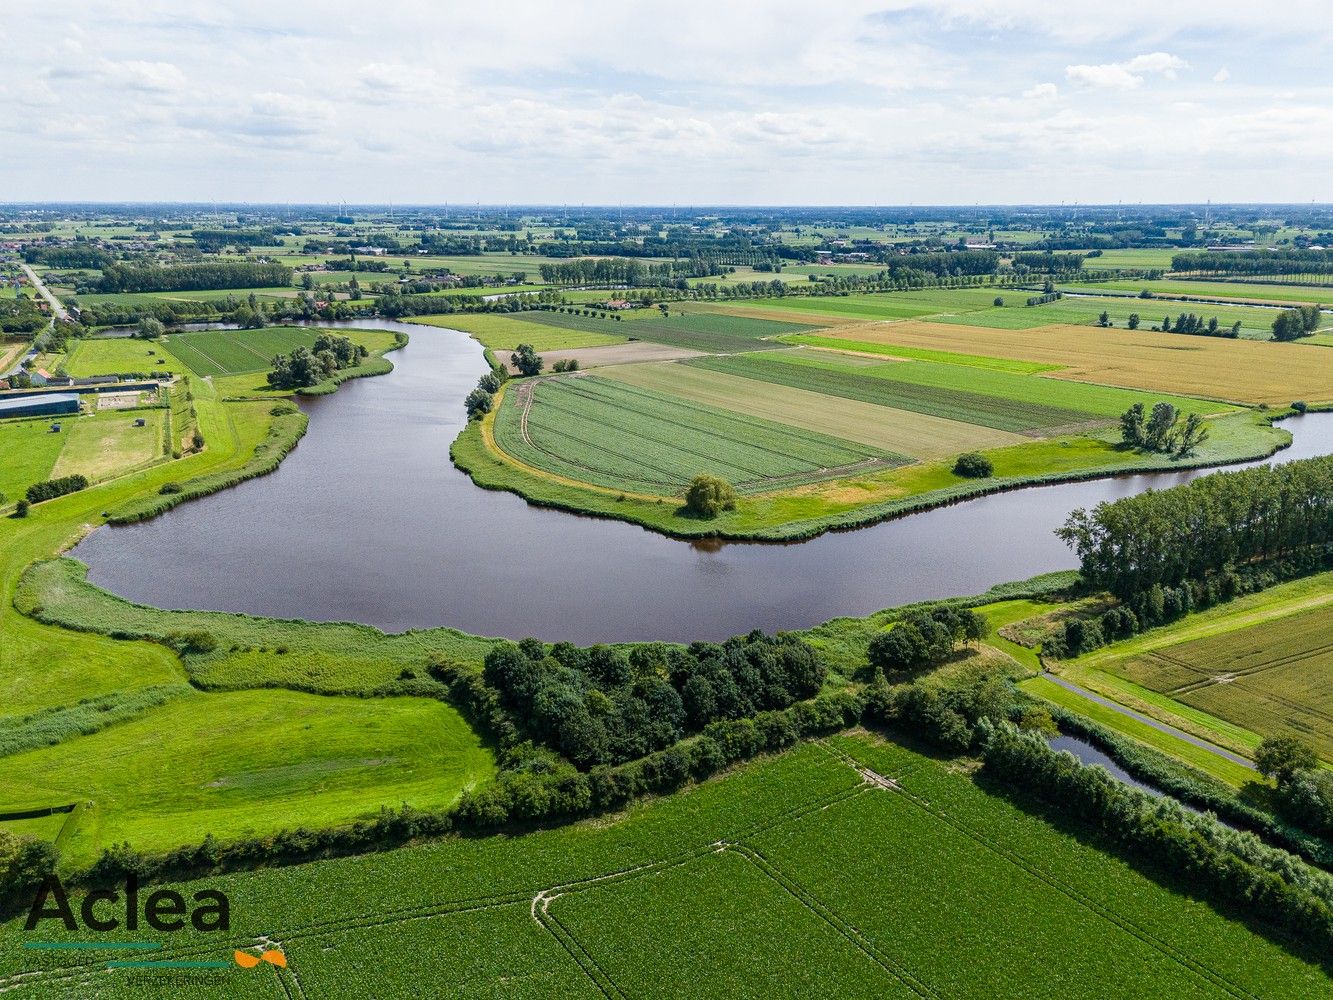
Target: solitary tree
[1133,323]
[973,465]
[149,328]
[1157,434]
[526,360]
[1193,434]
[708,496]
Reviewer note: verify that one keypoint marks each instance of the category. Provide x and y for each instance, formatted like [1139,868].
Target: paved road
[1159,726]
[57,309]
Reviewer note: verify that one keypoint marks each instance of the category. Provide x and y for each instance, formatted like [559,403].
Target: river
[369,521]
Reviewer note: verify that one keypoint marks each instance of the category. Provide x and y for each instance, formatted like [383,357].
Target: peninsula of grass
[809,510]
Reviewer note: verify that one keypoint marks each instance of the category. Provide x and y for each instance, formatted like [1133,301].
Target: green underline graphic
[167,965]
[88,945]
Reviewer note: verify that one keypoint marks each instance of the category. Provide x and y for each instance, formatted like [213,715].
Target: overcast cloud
[891,102]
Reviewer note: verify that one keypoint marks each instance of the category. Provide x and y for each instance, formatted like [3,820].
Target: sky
[849,103]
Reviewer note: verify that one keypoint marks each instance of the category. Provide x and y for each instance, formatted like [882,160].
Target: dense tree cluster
[973,465]
[306,367]
[526,361]
[624,271]
[1162,430]
[1292,324]
[1048,262]
[192,277]
[943,710]
[1201,531]
[599,705]
[214,240]
[75,256]
[924,639]
[21,315]
[1304,789]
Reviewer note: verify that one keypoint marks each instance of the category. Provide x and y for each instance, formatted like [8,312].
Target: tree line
[192,277]
[1292,324]
[1161,430]
[1202,531]
[1254,262]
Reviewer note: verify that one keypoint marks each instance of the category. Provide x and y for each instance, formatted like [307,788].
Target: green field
[1274,678]
[700,331]
[952,402]
[792,877]
[241,352]
[28,451]
[1256,323]
[888,305]
[119,356]
[1060,395]
[621,437]
[242,764]
[501,331]
[108,443]
[1256,290]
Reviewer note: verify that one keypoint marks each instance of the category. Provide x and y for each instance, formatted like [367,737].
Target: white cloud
[1126,75]
[1222,75]
[1042,91]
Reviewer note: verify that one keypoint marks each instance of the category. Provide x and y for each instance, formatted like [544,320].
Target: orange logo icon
[273,956]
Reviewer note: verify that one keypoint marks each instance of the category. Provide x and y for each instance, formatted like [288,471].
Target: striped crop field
[952,403]
[1243,371]
[1093,401]
[902,432]
[1274,678]
[716,333]
[241,352]
[623,437]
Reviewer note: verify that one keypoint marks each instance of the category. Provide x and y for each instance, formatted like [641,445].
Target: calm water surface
[368,520]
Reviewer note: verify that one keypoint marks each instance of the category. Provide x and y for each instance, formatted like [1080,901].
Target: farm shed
[44,405]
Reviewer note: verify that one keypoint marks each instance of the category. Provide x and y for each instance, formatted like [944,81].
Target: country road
[1159,726]
[57,309]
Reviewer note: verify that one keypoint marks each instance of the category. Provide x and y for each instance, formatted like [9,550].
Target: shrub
[999,300]
[1299,406]
[171,487]
[21,510]
[973,465]
[53,488]
[478,402]
[192,642]
[708,496]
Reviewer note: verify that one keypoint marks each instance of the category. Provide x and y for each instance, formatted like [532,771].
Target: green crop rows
[953,403]
[238,352]
[792,877]
[619,436]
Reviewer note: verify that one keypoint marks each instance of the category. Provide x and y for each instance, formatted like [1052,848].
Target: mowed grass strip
[887,305]
[622,437]
[28,452]
[1256,323]
[1096,401]
[1244,371]
[1274,678]
[954,403]
[715,333]
[500,331]
[902,432]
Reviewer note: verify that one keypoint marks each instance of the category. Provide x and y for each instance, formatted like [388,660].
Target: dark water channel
[368,520]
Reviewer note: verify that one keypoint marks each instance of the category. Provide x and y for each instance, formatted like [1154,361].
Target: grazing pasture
[28,452]
[792,876]
[279,754]
[904,432]
[619,436]
[119,356]
[1274,678]
[1234,370]
[108,444]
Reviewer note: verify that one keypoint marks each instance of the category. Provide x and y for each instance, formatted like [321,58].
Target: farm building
[44,405]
